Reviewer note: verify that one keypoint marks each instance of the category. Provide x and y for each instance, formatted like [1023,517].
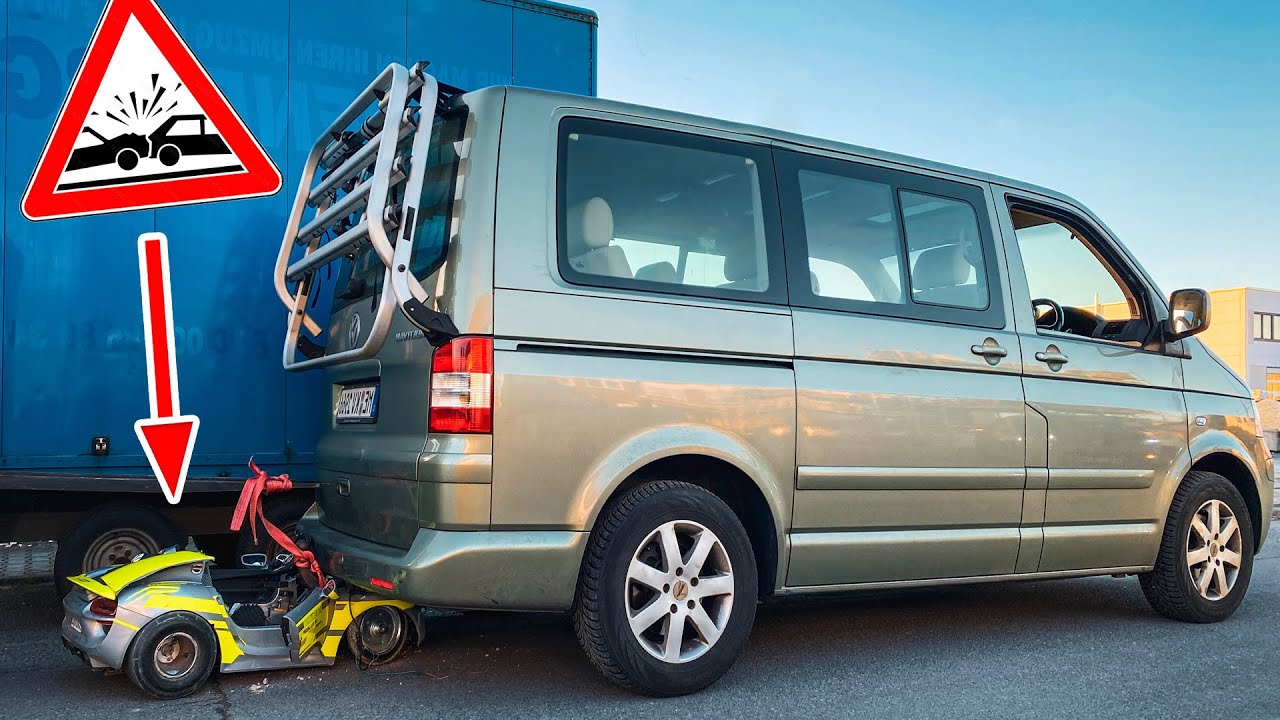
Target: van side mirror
[1188,313]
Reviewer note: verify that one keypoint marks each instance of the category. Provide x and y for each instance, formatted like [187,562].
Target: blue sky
[1163,118]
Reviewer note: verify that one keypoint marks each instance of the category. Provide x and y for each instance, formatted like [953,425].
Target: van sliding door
[910,408]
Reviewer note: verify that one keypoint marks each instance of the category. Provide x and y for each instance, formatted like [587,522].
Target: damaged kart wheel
[172,656]
[378,636]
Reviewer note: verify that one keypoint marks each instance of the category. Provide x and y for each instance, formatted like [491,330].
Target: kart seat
[244,585]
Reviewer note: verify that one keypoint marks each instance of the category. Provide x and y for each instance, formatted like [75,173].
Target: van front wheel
[1206,552]
[668,590]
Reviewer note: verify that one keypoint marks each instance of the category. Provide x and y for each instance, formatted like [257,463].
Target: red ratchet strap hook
[250,503]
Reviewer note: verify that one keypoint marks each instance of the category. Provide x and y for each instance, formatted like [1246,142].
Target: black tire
[127,159]
[366,648]
[283,512]
[134,528]
[601,615]
[169,155]
[1169,588]
[142,664]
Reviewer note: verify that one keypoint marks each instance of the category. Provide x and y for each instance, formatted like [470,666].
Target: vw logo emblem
[353,331]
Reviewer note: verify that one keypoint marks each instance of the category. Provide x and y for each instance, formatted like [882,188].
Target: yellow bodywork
[163,595]
[345,613]
[118,579]
[323,627]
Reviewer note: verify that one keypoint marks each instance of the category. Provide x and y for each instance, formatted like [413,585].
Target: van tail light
[462,386]
[103,608]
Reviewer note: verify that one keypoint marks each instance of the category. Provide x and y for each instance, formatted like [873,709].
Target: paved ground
[1078,648]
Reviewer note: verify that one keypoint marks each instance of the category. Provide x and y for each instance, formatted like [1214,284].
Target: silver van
[652,368]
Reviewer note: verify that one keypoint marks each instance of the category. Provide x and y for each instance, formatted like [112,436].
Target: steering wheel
[1058,316]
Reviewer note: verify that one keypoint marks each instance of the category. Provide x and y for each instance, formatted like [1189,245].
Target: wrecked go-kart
[169,620]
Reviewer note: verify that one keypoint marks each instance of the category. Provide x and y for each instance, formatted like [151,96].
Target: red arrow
[167,436]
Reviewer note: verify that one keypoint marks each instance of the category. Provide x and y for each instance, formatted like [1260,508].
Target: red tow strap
[250,503]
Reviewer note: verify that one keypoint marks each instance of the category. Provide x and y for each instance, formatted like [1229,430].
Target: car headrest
[939,267]
[590,225]
[661,271]
[740,265]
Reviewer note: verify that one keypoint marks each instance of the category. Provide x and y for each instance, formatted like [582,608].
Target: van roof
[765,133]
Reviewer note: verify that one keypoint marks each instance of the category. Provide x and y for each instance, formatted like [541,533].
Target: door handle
[989,351]
[344,487]
[1052,356]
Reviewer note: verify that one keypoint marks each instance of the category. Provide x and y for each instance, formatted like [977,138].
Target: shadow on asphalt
[480,657]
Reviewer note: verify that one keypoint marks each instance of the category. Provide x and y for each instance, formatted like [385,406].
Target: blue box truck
[72,365]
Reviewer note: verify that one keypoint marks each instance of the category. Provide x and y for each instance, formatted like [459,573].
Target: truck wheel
[169,155]
[172,656]
[378,636]
[668,590]
[112,535]
[1206,552]
[284,513]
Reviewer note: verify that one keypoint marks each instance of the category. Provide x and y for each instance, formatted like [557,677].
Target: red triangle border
[42,202]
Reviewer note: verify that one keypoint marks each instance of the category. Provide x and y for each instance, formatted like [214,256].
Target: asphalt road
[1074,648]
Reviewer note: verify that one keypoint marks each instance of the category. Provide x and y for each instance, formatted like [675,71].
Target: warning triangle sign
[144,126]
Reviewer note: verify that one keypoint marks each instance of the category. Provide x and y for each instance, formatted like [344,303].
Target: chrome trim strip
[973,580]
[895,478]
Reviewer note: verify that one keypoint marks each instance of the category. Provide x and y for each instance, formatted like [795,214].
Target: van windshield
[361,276]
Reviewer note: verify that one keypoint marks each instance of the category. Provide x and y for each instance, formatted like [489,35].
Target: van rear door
[367,459]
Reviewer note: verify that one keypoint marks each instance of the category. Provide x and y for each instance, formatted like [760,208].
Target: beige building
[1245,332]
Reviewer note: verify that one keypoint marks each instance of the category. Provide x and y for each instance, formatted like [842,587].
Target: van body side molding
[1102,478]
[897,478]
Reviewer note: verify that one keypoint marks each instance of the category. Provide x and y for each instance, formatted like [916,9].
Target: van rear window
[361,276]
[667,212]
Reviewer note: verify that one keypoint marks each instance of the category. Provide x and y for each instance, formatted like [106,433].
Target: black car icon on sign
[185,135]
[124,150]
[177,137]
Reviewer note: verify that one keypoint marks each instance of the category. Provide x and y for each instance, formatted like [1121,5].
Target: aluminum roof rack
[363,180]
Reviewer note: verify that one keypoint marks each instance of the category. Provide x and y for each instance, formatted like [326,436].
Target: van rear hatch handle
[438,327]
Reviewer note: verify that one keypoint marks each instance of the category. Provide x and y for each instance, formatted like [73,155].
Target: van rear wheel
[1206,552]
[668,590]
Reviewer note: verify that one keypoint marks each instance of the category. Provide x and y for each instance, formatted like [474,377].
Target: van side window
[854,247]
[884,242]
[1065,267]
[946,256]
[668,212]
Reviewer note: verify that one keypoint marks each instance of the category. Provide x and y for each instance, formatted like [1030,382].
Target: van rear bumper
[479,570]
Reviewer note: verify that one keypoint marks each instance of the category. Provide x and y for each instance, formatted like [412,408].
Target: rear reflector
[380,583]
[462,386]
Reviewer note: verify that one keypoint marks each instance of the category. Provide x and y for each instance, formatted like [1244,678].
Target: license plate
[357,405]
[75,624]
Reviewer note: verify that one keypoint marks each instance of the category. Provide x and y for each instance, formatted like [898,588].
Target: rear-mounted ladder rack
[364,184]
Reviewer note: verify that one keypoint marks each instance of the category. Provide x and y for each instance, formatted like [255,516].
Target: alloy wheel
[1213,550]
[679,591]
